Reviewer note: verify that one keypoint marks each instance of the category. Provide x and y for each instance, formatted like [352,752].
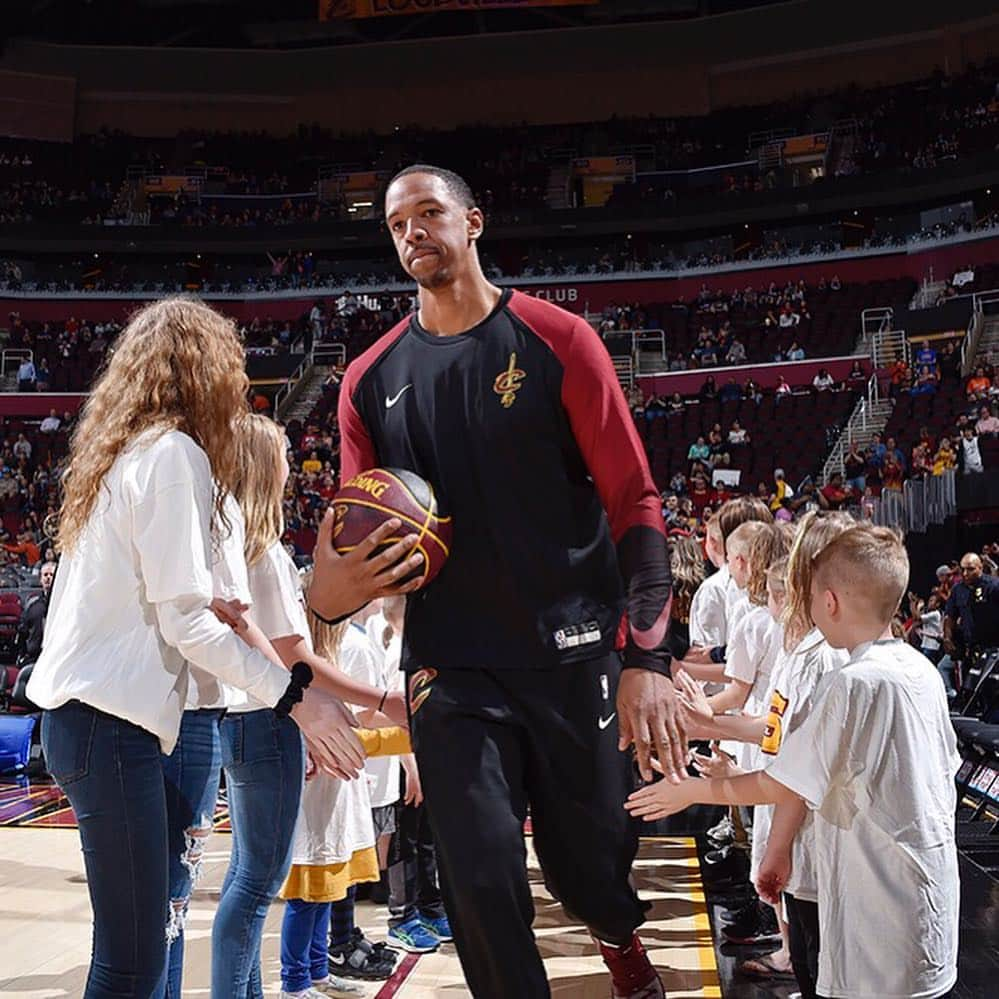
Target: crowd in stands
[284,270]
[914,126]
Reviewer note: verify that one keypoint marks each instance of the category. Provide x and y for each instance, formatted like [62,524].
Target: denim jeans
[305,955]
[264,760]
[112,773]
[191,773]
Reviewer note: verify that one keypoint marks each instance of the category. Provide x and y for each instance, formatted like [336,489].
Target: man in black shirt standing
[31,627]
[519,698]
[971,615]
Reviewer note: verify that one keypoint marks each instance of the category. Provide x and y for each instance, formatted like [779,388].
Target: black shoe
[757,926]
[724,865]
[358,959]
[738,914]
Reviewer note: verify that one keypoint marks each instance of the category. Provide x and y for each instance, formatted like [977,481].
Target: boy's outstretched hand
[659,800]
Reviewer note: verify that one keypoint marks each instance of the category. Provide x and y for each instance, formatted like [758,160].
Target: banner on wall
[332,10]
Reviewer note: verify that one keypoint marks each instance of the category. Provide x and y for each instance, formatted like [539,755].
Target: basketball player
[511,408]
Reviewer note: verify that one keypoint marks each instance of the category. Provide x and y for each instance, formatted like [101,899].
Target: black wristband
[381,703]
[301,677]
[335,620]
[718,654]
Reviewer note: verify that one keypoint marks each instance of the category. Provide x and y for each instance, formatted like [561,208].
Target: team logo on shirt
[508,383]
[774,731]
[419,688]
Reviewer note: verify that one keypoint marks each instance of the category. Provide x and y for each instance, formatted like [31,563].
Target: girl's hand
[414,787]
[693,699]
[395,708]
[230,612]
[718,764]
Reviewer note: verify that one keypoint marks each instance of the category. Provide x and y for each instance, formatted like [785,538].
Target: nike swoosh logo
[604,722]
[651,638]
[390,401]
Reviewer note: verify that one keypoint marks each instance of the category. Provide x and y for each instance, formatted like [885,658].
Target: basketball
[370,498]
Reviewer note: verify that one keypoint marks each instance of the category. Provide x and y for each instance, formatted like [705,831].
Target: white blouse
[130,604]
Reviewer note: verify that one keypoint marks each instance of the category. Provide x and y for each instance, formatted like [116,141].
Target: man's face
[971,570]
[433,233]
[47,576]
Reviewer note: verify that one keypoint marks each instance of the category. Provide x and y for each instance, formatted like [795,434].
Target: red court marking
[63,819]
[399,976]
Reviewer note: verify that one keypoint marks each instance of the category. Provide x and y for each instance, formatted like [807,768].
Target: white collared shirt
[130,604]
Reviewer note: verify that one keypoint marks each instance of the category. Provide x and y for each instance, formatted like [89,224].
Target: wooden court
[45,921]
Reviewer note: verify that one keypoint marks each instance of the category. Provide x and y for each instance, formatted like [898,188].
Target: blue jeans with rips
[191,774]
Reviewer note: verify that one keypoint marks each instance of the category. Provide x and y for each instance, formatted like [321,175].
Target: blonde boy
[875,761]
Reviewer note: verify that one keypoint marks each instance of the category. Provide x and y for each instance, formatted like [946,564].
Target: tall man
[511,408]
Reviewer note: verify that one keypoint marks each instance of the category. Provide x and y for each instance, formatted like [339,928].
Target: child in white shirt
[875,761]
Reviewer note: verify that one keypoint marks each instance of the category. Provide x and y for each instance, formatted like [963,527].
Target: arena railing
[919,504]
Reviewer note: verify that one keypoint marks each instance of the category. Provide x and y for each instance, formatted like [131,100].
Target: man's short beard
[438,279]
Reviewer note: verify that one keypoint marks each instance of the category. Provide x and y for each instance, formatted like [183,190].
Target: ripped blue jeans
[191,775]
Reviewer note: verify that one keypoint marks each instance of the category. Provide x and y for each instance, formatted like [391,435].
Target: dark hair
[457,186]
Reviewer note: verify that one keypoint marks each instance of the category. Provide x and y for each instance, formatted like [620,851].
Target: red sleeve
[606,434]
[357,452]
[615,457]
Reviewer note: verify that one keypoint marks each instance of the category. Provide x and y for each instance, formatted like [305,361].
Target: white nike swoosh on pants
[390,401]
[604,722]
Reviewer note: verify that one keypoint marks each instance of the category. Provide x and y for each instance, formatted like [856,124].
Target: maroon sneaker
[632,974]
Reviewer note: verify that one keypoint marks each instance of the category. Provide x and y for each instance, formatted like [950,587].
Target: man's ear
[476,223]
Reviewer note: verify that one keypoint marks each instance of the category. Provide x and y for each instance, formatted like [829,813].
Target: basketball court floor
[45,922]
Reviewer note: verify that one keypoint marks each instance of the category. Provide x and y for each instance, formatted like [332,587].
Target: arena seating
[832,330]
[790,433]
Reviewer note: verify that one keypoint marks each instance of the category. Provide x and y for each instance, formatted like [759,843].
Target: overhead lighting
[363,204]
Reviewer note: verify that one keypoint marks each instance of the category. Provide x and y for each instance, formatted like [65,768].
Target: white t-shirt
[753,648]
[708,623]
[736,605]
[798,679]
[972,454]
[876,760]
[229,582]
[334,821]
[383,771]
[278,605]
[129,606]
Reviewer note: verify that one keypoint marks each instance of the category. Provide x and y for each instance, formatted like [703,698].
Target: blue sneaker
[440,928]
[413,936]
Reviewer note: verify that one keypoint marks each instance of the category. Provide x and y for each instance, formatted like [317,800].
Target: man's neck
[457,307]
